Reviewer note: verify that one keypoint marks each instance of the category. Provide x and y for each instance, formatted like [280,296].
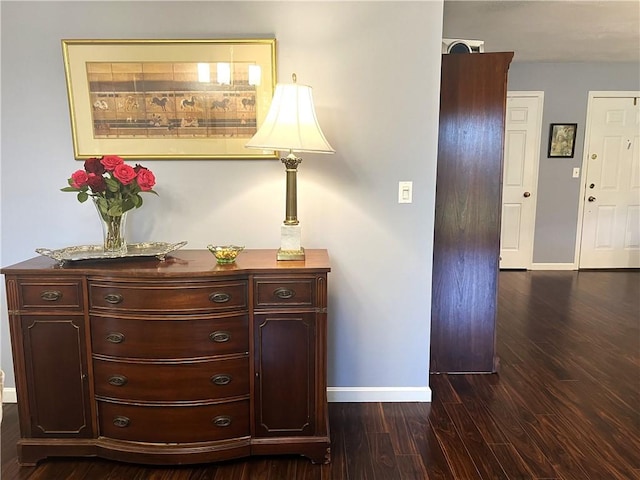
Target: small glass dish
[225,254]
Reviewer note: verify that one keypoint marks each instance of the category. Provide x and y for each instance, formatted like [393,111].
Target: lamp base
[290,248]
[290,254]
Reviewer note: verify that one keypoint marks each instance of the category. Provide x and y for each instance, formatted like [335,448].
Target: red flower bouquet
[115,188]
[115,185]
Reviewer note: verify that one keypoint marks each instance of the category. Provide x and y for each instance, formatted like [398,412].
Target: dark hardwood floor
[565,404]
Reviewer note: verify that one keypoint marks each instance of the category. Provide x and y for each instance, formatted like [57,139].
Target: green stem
[114,239]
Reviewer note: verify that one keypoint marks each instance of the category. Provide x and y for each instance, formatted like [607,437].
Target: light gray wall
[375,70]
[566,89]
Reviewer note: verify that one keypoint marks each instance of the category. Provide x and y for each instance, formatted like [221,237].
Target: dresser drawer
[170,338]
[154,298]
[189,381]
[174,424]
[63,294]
[298,291]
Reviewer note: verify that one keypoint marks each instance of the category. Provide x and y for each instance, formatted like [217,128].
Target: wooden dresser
[171,362]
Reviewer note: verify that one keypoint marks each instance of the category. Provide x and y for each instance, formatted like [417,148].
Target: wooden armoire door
[468,205]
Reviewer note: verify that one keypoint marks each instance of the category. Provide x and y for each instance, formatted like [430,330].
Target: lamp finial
[294,77]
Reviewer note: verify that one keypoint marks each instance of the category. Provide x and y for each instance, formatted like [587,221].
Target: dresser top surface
[178,263]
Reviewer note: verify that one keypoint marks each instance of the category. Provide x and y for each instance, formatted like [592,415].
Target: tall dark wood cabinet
[467,217]
[171,362]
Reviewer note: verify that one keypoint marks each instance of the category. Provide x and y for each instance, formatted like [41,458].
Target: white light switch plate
[405,192]
[576,172]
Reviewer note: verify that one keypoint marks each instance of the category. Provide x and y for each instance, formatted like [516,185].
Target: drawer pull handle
[115,337]
[113,298]
[220,337]
[121,422]
[221,379]
[118,380]
[51,295]
[222,421]
[284,293]
[219,297]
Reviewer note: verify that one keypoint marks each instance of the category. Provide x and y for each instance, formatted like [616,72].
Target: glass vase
[113,232]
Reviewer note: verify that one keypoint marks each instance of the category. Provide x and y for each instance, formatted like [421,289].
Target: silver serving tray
[96,252]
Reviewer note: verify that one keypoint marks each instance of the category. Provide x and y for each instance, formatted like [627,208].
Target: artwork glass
[168,98]
[562,140]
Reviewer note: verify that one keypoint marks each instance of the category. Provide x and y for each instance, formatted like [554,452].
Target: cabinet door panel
[55,360]
[285,366]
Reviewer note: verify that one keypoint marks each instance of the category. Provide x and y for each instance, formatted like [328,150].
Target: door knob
[592,185]
[592,198]
[527,194]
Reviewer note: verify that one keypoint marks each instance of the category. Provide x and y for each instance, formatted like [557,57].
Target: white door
[611,212]
[520,178]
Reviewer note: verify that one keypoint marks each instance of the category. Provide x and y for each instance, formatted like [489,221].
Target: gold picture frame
[169,99]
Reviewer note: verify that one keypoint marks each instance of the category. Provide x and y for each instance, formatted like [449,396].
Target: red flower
[146,179]
[110,162]
[93,165]
[114,185]
[123,172]
[79,179]
[96,183]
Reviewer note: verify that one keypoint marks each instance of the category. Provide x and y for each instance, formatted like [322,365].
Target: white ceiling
[549,30]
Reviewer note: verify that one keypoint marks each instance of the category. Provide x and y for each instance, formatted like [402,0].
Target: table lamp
[291,125]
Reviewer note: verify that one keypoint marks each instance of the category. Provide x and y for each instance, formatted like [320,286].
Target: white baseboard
[9,395]
[335,394]
[553,266]
[378,394]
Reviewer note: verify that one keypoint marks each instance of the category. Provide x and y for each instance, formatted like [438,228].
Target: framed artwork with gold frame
[168,99]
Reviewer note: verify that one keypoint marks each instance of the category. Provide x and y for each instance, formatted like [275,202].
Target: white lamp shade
[291,123]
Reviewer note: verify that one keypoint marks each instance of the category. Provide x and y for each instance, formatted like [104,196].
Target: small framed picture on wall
[562,140]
